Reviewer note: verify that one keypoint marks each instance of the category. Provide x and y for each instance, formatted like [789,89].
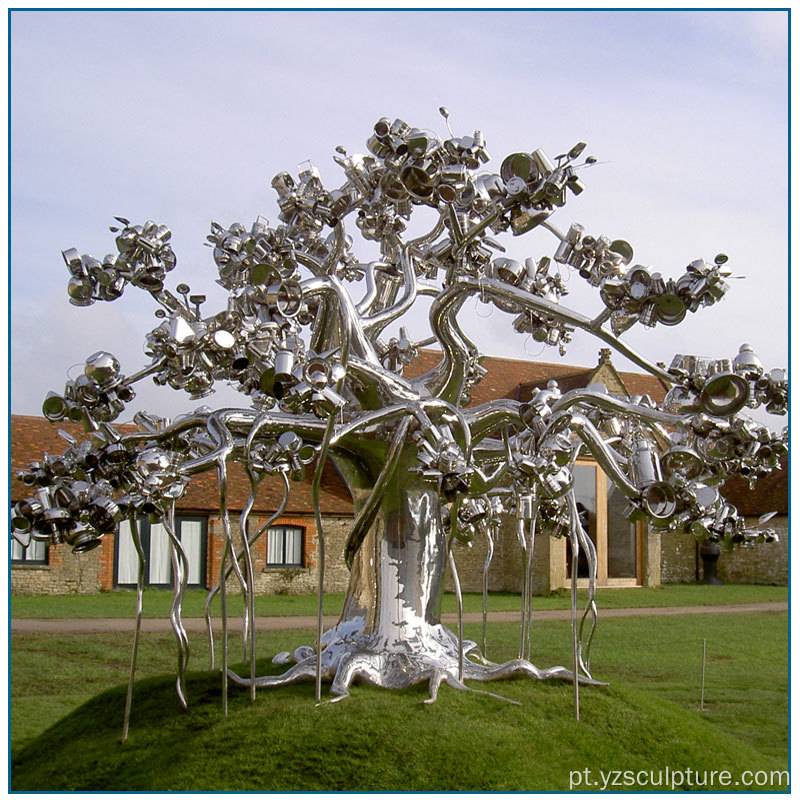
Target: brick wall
[765,563]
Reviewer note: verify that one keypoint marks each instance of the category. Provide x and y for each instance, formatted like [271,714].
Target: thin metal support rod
[591,607]
[251,541]
[222,480]
[703,680]
[529,616]
[180,578]
[315,485]
[137,543]
[486,565]
[531,513]
[523,542]
[574,609]
[223,596]
[460,607]
[249,615]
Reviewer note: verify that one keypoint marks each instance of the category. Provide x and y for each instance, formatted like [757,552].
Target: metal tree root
[348,659]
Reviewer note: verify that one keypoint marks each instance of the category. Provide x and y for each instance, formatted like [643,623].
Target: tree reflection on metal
[425,471]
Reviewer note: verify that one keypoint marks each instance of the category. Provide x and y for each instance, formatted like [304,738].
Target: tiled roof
[516,379]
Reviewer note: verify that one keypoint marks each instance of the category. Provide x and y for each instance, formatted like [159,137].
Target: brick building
[285,558]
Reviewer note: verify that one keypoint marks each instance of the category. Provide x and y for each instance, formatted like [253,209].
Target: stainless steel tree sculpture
[423,469]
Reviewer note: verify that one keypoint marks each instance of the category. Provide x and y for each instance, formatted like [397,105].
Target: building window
[285,546]
[34,553]
[619,542]
[192,532]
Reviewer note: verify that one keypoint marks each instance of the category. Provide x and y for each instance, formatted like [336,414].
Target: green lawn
[67,696]
[157,602]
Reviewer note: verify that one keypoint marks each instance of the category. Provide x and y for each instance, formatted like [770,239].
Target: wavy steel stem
[180,566]
[137,543]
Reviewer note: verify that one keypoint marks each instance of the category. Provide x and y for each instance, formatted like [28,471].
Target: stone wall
[64,573]
[508,560]
[92,572]
[764,564]
[287,580]
[678,558]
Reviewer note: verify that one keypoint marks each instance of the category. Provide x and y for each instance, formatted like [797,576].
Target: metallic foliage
[426,472]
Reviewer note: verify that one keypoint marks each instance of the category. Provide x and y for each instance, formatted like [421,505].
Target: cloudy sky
[184,117]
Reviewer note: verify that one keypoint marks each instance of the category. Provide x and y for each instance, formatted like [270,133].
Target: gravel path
[197,624]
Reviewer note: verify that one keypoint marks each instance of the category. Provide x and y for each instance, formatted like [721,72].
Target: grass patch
[380,740]
[156,603]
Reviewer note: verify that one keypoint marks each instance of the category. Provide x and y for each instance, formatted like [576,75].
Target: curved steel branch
[223,423]
[216,425]
[374,325]
[330,285]
[428,237]
[382,415]
[339,241]
[365,303]
[591,437]
[378,377]
[465,286]
[367,512]
[616,405]
[485,419]
[310,263]
[446,380]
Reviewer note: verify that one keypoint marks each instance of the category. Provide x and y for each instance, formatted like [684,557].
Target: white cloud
[185,117]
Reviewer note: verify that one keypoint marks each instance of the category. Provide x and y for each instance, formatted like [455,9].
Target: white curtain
[275,546]
[17,551]
[284,545]
[35,551]
[127,559]
[294,545]
[160,566]
[191,533]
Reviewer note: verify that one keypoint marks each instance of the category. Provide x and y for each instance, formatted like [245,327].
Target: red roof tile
[516,379]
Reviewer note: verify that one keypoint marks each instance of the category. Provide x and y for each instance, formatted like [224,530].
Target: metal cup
[724,394]
[54,407]
[284,364]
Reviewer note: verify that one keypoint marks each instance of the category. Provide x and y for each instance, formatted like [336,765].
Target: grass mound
[375,740]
